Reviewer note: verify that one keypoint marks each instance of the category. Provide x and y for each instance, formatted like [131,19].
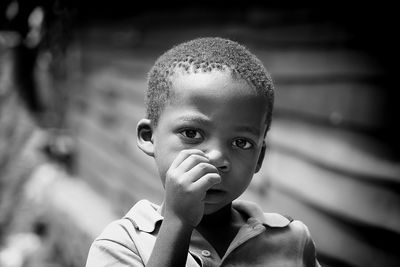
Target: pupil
[191,133]
[240,142]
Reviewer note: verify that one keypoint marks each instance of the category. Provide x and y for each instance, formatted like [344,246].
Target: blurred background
[72,82]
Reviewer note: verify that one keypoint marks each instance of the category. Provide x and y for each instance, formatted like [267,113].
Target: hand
[187,180]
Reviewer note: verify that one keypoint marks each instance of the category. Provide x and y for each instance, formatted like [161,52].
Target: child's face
[220,116]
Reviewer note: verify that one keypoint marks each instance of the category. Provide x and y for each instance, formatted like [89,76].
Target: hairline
[247,65]
[232,73]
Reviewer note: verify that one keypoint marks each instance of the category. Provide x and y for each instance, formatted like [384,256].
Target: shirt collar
[145,215]
[252,210]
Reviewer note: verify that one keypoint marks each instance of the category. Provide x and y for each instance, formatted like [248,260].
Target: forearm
[187,180]
[172,244]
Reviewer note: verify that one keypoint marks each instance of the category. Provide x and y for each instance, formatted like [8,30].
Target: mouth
[214,190]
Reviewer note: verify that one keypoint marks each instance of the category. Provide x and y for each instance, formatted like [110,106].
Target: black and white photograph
[199,133]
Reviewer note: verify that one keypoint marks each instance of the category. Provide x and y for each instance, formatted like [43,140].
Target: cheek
[239,183]
[247,162]
[165,151]
[244,169]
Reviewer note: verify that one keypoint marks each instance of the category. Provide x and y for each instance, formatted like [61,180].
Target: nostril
[223,168]
[219,160]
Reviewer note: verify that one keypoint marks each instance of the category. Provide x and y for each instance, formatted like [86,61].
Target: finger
[191,162]
[199,171]
[206,182]
[183,155]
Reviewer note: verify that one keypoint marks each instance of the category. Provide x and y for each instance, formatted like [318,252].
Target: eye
[192,134]
[242,143]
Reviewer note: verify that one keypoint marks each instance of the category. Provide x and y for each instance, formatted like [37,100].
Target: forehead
[217,95]
[214,83]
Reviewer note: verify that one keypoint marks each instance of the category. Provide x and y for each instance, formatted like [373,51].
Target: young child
[209,106]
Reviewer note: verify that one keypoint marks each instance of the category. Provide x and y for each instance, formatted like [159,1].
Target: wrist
[178,223]
[172,243]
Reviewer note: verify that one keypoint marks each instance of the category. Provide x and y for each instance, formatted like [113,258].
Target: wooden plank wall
[320,167]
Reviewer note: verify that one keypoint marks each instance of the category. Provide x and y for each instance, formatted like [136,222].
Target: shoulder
[294,235]
[119,231]
[297,236]
[294,228]
[295,231]
[142,216]
[114,244]
[117,242]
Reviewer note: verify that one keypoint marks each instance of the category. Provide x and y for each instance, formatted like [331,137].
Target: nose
[219,160]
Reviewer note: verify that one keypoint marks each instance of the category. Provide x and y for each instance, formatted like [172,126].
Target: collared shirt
[266,239]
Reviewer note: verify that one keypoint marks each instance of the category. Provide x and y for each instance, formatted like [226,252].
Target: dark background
[69,106]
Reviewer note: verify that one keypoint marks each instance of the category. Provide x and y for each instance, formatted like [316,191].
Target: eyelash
[248,145]
[197,132]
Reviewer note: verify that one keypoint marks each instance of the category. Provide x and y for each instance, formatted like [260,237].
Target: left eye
[242,143]
[191,134]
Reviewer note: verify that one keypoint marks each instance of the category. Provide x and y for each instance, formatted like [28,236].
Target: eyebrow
[253,130]
[203,120]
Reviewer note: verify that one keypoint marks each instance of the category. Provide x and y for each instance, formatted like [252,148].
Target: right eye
[192,134]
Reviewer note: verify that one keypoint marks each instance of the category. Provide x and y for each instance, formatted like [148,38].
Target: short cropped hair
[205,55]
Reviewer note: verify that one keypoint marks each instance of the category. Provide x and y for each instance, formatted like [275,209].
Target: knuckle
[185,152]
[203,166]
[180,184]
[171,173]
[197,156]
[192,152]
[194,158]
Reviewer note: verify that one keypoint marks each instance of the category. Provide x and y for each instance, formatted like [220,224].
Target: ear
[261,157]
[144,132]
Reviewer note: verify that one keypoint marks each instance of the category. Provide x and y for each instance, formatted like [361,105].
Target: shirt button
[206,253]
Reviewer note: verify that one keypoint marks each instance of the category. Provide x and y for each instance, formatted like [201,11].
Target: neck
[222,217]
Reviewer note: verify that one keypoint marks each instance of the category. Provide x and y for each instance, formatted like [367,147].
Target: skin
[208,143]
